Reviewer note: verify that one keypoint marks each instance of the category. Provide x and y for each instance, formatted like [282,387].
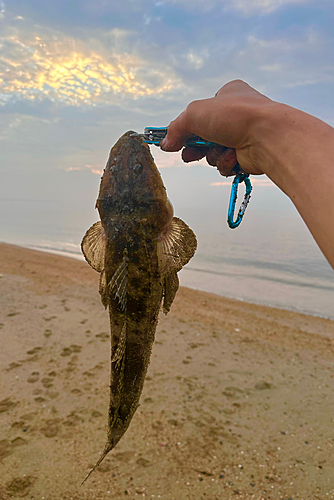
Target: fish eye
[138,168]
[113,169]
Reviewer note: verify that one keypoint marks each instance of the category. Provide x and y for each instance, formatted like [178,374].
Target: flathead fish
[138,247]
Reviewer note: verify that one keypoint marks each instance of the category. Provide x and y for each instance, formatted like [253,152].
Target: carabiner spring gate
[240,177]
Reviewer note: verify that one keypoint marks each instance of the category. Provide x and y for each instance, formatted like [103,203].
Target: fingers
[192,121]
[177,134]
[226,162]
[192,154]
[223,158]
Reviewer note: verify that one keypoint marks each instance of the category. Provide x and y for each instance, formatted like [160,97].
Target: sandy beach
[238,401]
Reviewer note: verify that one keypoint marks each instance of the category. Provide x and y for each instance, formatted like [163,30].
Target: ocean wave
[262,277]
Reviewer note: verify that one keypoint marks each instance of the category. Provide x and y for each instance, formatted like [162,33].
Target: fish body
[138,247]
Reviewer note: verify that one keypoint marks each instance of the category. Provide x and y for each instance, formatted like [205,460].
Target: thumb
[177,134]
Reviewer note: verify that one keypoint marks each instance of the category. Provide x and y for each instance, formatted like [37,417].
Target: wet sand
[238,401]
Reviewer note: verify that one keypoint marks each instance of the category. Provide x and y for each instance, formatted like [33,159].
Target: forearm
[296,151]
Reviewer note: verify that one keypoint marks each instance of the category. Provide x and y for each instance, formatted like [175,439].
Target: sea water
[270,259]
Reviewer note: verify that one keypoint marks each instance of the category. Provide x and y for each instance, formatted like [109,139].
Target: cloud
[296,59]
[263,6]
[49,64]
[247,7]
[261,182]
[95,169]
[162,160]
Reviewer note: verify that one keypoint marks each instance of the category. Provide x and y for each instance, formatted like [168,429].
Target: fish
[138,247]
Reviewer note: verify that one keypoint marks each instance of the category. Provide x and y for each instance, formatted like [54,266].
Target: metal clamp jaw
[154,135]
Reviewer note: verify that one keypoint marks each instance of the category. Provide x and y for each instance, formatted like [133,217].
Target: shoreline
[79,257]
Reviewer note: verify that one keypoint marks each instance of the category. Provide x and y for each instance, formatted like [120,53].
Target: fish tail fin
[118,359]
[105,452]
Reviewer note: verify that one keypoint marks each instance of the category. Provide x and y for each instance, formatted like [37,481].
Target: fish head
[132,188]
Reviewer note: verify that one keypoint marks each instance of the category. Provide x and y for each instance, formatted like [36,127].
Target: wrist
[276,131]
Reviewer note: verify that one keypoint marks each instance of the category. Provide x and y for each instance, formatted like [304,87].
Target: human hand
[228,119]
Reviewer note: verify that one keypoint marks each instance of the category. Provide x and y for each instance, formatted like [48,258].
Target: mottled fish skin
[138,248]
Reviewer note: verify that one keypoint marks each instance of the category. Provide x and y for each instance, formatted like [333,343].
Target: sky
[76,74]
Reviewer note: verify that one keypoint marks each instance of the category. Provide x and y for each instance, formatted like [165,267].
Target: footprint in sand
[22,423]
[6,404]
[39,399]
[72,364]
[47,333]
[103,336]
[18,441]
[157,425]
[19,486]
[50,318]
[12,365]
[72,419]
[5,449]
[34,377]
[28,417]
[96,413]
[260,386]
[2,325]
[52,394]
[143,462]
[232,392]
[105,467]
[64,304]
[76,391]
[51,428]
[35,350]
[75,348]
[67,351]
[47,382]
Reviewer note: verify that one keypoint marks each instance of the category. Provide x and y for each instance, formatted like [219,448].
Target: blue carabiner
[240,177]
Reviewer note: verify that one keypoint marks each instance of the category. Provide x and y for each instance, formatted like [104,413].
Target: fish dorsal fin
[93,246]
[119,281]
[176,245]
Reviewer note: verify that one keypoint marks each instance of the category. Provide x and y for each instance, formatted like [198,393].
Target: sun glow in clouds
[69,71]
[95,169]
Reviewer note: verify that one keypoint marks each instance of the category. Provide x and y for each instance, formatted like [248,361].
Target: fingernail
[164,143]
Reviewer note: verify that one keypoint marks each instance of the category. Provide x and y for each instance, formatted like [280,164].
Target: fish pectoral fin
[93,246]
[176,245]
[119,282]
[171,286]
